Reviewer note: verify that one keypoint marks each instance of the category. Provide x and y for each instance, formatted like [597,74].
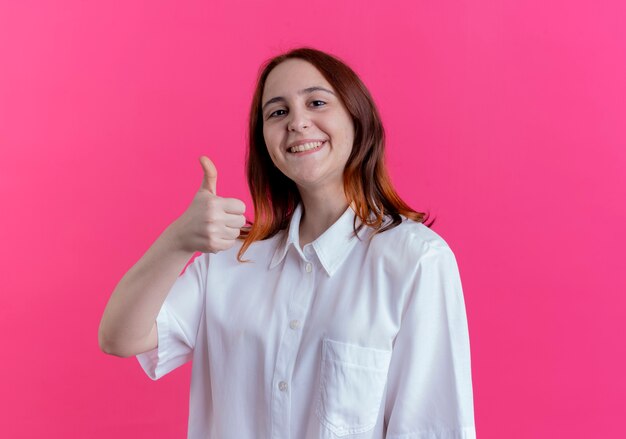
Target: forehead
[291,76]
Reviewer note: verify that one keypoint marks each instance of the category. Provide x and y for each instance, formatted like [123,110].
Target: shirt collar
[332,247]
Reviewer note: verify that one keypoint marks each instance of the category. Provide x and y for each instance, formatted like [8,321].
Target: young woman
[338,313]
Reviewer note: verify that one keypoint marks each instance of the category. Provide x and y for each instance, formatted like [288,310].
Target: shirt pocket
[352,383]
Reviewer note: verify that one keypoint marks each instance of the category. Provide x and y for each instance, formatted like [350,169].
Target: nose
[298,121]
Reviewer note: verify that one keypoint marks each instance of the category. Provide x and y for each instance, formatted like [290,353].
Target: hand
[211,223]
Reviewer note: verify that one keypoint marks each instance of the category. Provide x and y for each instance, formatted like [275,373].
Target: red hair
[366,182]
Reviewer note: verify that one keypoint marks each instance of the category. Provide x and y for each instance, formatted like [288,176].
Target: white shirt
[345,338]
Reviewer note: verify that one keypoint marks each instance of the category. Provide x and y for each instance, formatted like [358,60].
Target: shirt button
[282,386]
[294,324]
[309,267]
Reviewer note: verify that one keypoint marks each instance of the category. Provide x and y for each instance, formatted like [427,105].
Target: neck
[321,210]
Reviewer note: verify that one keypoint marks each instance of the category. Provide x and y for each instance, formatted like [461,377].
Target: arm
[429,392]
[128,324]
[210,224]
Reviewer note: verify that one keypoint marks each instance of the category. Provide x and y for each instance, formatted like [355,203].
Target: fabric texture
[347,337]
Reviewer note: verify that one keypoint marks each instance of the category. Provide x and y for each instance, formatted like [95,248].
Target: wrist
[174,238]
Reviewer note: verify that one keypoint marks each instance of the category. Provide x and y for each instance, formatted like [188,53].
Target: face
[308,132]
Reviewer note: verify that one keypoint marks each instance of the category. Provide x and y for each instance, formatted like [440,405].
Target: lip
[303,141]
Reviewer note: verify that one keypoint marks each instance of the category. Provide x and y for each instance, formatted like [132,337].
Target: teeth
[305,147]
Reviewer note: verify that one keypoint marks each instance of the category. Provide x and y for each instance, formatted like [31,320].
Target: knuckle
[212,243]
[212,230]
[212,202]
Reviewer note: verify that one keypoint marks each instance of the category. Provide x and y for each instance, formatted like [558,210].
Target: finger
[234,206]
[235,221]
[209,182]
[224,243]
[231,234]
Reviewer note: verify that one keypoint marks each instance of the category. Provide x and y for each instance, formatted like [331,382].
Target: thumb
[209,182]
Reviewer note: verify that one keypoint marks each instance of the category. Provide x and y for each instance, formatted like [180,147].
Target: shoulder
[409,243]
[411,236]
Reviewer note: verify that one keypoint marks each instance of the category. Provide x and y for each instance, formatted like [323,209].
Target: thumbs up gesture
[211,223]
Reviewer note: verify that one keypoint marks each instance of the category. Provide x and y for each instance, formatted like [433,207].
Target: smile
[310,146]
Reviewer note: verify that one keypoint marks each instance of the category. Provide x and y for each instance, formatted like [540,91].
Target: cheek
[347,128]
[270,138]
[265,136]
[348,136]
[269,146]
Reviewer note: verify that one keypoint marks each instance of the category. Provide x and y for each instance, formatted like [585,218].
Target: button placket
[297,309]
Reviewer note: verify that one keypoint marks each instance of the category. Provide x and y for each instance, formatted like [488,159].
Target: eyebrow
[307,90]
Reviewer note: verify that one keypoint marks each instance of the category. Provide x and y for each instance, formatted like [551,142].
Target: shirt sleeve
[178,322]
[429,388]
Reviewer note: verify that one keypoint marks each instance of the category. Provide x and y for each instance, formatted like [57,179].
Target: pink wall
[505,119]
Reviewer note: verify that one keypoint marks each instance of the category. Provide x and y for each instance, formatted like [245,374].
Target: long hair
[366,182]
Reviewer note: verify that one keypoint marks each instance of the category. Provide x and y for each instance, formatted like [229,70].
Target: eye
[318,103]
[276,113]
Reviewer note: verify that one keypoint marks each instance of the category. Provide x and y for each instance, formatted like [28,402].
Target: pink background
[505,119]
